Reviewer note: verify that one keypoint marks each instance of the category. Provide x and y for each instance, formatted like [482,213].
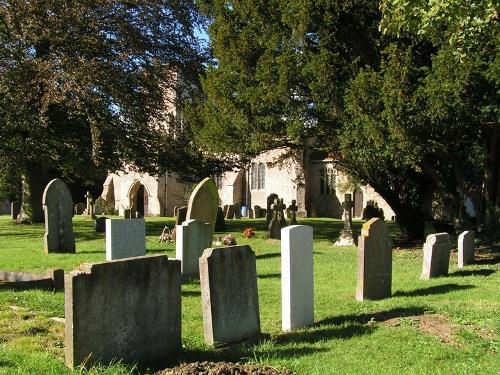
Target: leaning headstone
[125,238]
[180,217]
[374,261]
[436,255]
[269,212]
[237,211]
[58,210]
[346,238]
[203,203]
[191,239]
[15,209]
[126,309]
[297,277]
[79,208]
[228,279]
[100,224]
[466,248]
[278,220]
[220,223]
[230,211]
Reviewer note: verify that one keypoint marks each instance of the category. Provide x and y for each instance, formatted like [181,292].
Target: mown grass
[349,337]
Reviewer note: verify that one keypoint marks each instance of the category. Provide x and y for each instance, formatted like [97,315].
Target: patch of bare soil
[221,368]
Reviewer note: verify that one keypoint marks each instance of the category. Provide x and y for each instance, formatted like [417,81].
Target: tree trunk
[492,187]
[32,191]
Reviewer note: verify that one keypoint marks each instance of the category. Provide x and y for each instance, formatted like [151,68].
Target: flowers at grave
[229,240]
[249,232]
[167,235]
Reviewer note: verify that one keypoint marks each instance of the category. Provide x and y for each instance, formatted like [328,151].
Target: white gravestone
[191,238]
[125,238]
[297,277]
[436,255]
[466,248]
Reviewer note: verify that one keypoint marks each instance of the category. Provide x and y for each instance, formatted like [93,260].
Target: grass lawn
[448,325]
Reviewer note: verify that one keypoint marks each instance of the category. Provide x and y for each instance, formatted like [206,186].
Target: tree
[83,85]
[391,108]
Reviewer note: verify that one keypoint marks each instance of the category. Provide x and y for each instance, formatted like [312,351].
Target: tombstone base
[345,239]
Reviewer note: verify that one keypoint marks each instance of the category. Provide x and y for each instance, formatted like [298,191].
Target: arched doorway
[358,203]
[138,200]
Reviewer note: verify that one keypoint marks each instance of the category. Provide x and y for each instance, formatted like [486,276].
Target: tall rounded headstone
[203,203]
[58,210]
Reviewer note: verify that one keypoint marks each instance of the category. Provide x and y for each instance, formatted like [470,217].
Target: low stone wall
[53,279]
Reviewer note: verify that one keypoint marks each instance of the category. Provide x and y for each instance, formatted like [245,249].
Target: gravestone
[191,239]
[58,212]
[278,220]
[175,210]
[127,214]
[297,277]
[220,223]
[100,224]
[293,212]
[436,255]
[125,238]
[203,203]
[256,211]
[228,279]
[229,212]
[225,208]
[90,205]
[237,211]
[251,214]
[466,248]
[374,261]
[181,215]
[15,210]
[79,208]
[346,238]
[269,212]
[127,309]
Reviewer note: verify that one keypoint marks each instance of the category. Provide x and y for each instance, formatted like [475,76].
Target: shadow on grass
[322,333]
[268,256]
[191,293]
[464,273]
[438,289]
[270,276]
[379,316]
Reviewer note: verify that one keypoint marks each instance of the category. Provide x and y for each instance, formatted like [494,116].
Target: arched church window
[262,176]
[327,180]
[253,176]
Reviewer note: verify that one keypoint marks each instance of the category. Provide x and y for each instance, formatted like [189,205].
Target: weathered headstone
[466,248]
[100,224]
[127,214]
[203,203]
[191,239]
[374,261]
[225,208]
[220,223]
[125,238]
[228,278]
[15,209]
[346,238]
[237,211]
[293,208]
[436,255]
[79,208]
[278,220]
[269,212]
[58,211]
[127,309]
[230,211]
[181,215]
[297,277]
[256,211]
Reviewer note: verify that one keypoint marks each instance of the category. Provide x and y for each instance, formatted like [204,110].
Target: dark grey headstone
[269,211]
[230,211]
[220,223]
[237,211]
[100,224]
[181,215]
[228,279]
[15,209]
[374,261]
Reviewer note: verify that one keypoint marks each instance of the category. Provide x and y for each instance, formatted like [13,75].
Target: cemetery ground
[447,325]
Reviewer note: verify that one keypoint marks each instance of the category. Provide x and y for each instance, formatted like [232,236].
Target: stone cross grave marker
[374,261]
[297,277]
[58,211]
[127,309]
[436,255]
[346,238]
[269,212]
[191,239]
[293,208]
[125,238]
[278,220]
[203,203]
[228,278]
[466,248]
